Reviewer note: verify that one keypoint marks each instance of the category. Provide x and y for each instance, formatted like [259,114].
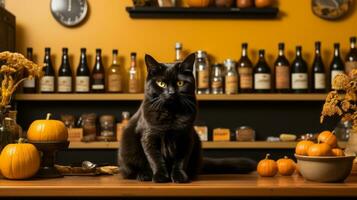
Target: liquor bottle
[336,66]
[282,71]
[202,72]
[115,82]
[178,52]
[299,75]
[351,58]
[98,74]
[231,77]
[64,74]
[47,82]
[133,75]
[29,84]
[245,71]
[318,71]
[217,79]
[262,75]
[83,74]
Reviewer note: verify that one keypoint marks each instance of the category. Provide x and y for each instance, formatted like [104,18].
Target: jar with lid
[88,123]
[107,127]
[231,77]
[202,72]
[217,79]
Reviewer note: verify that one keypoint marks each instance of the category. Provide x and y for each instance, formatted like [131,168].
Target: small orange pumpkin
[302,147]
[267,167]
[337,152]
[286,166]
[327,137]
[320,149]
[19,161]
[198,3]
[47,130]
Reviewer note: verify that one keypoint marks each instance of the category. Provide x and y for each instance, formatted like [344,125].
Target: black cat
[160,143]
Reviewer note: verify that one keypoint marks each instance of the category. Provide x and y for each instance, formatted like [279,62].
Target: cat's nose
[171,91]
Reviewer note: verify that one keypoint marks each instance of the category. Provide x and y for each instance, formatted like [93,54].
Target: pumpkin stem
[21,140]
[267,156]
[48,116]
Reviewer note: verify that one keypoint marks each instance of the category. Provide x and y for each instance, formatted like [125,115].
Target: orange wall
[109,26]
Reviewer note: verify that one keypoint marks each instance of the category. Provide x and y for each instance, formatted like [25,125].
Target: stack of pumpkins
[22,160]
[269,168]
[229,3]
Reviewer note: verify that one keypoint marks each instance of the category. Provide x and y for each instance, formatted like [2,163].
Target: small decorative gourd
[267,167]
[320,149]
[286,166]
[302,147]
[327,137]
[337,152]
[198,3]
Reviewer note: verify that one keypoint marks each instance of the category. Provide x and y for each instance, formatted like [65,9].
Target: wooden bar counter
[207,186]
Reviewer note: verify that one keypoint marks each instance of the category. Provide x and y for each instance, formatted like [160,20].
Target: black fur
[160,143]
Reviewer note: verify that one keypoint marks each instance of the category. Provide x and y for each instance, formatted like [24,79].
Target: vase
[6,136]
[351,147]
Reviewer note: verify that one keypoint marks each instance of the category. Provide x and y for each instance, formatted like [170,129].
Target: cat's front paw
[179,176]
[144,176]
[161,177]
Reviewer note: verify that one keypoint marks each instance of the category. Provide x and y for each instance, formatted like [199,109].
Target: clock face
[69,12]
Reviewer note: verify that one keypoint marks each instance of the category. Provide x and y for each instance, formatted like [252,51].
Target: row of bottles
[243,77]
[97,81]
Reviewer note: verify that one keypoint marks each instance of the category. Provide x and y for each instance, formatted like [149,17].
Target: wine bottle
[65,74]
[351,58]
[318,71]
[98,74]
[47,82]
[245,71]
[133,75]
[336,66]
[83,74]
[114,75]
[282,71]
[178,52]
[29,84]
[262,75]
[299,75]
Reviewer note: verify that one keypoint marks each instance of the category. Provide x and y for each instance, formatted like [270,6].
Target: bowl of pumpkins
[323,161]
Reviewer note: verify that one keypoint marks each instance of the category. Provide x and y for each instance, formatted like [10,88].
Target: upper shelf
[138,97]
[202,13]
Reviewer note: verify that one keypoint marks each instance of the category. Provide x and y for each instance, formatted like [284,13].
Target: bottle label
[231,84]
[97,86]
[133,85]
[246,77]
[64,84]
[299,81]
[98,81]
[216,84]
[203,79]
[82,84]
[114,83]
[47,84]
[29,83]
[320,81]
[262,81]
[334,74]
[282,77]
[349,66]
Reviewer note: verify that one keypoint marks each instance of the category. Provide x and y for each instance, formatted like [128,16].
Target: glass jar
[202,72]
[231,77]
[88,122]
[107,125]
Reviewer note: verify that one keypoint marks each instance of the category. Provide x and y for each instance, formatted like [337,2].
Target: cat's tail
[228,165]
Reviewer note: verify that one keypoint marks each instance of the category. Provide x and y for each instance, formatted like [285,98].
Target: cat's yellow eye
[161,84]
[180,83]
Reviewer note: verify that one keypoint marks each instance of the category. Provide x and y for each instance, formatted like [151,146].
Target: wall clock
[69,12]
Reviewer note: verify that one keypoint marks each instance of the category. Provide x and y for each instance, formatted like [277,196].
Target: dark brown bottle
[245,71]
[98,74]
[351,58]
[318,76]
[262,75]
[282,71]
[47,82]
[299,75]
[64,83]
[83,74]
[337,66]
[30,84]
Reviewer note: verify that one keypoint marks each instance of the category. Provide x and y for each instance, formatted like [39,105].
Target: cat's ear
[187,64]
[152,65]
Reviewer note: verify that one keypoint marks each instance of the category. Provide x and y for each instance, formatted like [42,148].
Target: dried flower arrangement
[15,68]
[342,101]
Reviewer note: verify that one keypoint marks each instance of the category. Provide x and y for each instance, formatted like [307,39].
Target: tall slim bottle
[299,75]
[245,71]
[282,71]
[98,74]
[65,74]
[115,82]
[133,84]
[202,73]
[262,75]
[351,58]
[337,66]
[29,84]
[178,52]
[83,74]
[47,82]
[318,83]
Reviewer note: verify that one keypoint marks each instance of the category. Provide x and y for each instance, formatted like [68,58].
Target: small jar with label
[217,79]
[88,122]
[231,77]
[107,130]
[202,73]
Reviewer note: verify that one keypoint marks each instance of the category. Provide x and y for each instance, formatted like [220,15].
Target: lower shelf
[205,145]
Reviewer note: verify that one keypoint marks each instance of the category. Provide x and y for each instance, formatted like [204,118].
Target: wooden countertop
[207,185]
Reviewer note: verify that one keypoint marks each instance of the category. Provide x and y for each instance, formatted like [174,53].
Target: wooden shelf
[201,13]
[205,145]
[138,97]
